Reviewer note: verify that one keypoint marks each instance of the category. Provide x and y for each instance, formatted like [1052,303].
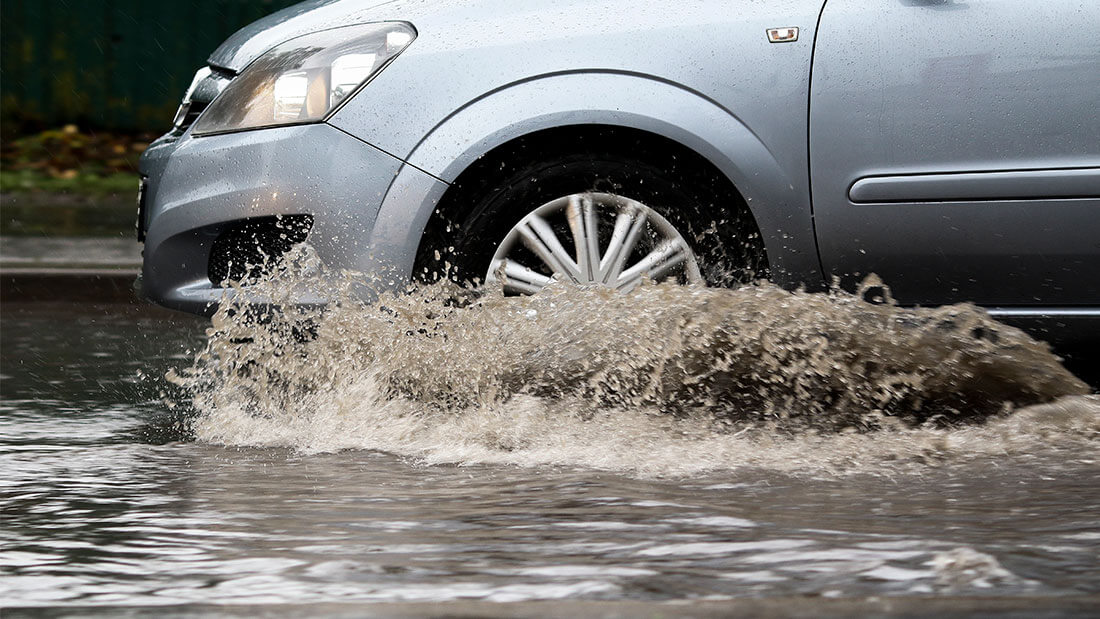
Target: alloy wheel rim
[615,242]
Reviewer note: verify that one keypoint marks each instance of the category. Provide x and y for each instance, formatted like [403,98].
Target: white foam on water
[965,567]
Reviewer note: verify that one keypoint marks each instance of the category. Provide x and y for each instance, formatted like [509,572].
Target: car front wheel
[592,218]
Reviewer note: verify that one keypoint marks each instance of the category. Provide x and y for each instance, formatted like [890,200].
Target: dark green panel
[111,64]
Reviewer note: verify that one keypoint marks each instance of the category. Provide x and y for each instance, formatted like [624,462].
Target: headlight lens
[304,79]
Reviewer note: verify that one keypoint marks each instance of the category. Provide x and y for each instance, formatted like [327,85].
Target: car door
[955,148]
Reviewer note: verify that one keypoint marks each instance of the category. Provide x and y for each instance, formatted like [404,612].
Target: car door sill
[1053,312]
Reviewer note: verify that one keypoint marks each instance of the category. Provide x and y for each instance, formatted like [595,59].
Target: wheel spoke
[614,245]
[661,270]
[539,237]
[628,229]
[517,278]
[581,214]
[656,263]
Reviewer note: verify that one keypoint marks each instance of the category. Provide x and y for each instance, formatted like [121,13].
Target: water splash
[666,380]
[964,567]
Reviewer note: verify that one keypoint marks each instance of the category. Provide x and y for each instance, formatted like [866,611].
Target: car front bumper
[198,188]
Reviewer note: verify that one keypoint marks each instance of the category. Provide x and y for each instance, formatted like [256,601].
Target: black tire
[704,209]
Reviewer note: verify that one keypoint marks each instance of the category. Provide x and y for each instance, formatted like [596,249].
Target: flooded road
[117,492]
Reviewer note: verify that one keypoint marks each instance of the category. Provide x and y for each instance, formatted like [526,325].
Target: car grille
[252,248]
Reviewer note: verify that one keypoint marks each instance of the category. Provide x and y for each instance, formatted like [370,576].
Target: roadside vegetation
[66,160]
[68,182]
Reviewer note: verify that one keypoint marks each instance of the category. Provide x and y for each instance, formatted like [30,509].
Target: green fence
[111,64]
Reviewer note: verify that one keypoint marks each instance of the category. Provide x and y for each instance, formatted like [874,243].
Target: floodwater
[417,457]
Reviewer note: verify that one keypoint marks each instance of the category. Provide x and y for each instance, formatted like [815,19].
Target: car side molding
[1058,183]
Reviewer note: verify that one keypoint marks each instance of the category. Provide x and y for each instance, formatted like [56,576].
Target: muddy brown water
[836,459]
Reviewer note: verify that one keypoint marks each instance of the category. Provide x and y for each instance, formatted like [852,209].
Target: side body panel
[955,148]
[702,73]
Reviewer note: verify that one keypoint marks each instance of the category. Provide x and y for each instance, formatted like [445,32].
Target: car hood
[250,42]
[456,17]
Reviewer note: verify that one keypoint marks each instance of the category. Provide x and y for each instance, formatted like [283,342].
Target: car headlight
[305,79]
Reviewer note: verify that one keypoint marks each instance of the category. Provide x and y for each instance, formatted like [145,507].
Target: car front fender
[778,201]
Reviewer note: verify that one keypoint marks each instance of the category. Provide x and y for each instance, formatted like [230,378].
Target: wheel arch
[573,103]
[487,174]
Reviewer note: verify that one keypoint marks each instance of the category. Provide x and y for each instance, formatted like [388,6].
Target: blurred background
[85,85]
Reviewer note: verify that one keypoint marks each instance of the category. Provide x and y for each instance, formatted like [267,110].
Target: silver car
[950,146]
